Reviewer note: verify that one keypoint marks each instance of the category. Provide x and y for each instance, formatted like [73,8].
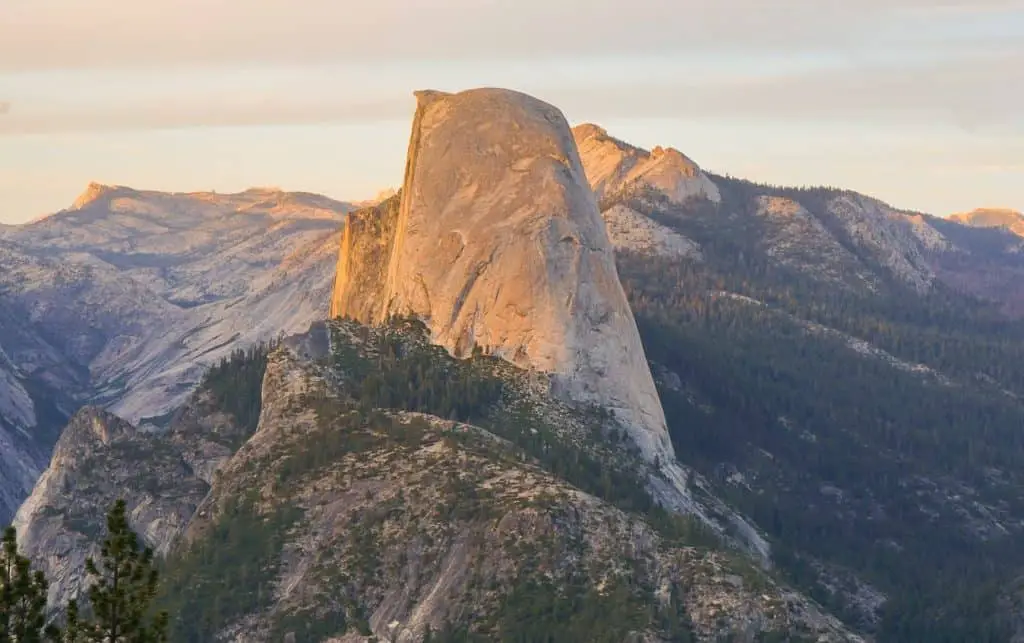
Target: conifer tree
[22,596]
[73,631]
[124,586]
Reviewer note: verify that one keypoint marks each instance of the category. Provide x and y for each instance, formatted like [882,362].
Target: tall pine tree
[123,589]
[22,596]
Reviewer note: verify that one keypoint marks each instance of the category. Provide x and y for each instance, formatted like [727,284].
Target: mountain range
[561,371]
[126,298]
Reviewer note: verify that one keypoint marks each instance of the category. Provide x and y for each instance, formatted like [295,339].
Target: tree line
[118,606]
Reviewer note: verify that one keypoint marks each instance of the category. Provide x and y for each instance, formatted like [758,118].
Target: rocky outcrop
[380,525]
[613,166]
[898,241]
[1012,220]
[366,247]
[19,463]
[795,238]
[498,243]
[101,458]
[631,231]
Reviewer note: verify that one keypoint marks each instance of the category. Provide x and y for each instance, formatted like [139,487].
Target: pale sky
[917,102]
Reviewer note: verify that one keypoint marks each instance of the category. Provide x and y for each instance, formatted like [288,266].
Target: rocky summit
[613,166]
[497,243]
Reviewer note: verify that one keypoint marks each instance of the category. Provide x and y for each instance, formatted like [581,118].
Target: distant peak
[381,197]
[588,130]
[675,159]
[93,192]
[671,154]
[613,165]
[989,217]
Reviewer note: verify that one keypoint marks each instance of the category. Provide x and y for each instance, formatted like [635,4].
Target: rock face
[377,525]
[125,298]
[613,166]
[101,458]
[168,283]
[19,465]
[28,423]
[992,218]
[631,231]
[497,242]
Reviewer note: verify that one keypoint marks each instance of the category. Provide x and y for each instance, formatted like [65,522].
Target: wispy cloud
[54,34]
[196,113]
[981,94]
[976,92]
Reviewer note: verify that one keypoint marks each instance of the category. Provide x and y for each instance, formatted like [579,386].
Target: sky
[917,102]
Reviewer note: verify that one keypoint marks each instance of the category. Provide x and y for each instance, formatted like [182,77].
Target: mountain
[33,406]
[520,264]
[841,382]
[124,299]
[19,459]
[393,484]
[614,165]
[388,488]
[839,371]
[992,218]
[163,476]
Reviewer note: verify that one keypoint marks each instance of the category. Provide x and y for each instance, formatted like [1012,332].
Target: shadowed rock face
[497,242]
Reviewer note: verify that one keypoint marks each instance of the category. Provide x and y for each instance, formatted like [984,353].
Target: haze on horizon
[917,102]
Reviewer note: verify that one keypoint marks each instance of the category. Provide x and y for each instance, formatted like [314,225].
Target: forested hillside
[875,431]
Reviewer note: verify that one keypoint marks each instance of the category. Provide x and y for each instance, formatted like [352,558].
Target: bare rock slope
[614,166]
[497,242]
[993,218]
[124,299]
[100,458]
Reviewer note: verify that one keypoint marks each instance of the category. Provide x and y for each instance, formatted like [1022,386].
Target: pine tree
[22,596]
[125,582]
[73,631]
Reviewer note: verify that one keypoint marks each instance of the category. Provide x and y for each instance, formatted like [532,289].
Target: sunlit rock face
[497,242]
[613,166]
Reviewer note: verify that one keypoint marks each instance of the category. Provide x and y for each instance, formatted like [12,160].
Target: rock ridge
[614,166]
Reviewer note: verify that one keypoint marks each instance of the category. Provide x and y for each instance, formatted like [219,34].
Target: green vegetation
[119,599]
[404,371]
[22,596]
[228,572]
[123,587]
[236,384]
[847,459]
[536,610]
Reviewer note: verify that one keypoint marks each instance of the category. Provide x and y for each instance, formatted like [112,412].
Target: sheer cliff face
[497,242]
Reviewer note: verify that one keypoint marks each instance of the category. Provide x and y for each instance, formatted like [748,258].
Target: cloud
[120,64]
[973,93]
[190,114]
[66,34]
[5,107]
[979,95]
